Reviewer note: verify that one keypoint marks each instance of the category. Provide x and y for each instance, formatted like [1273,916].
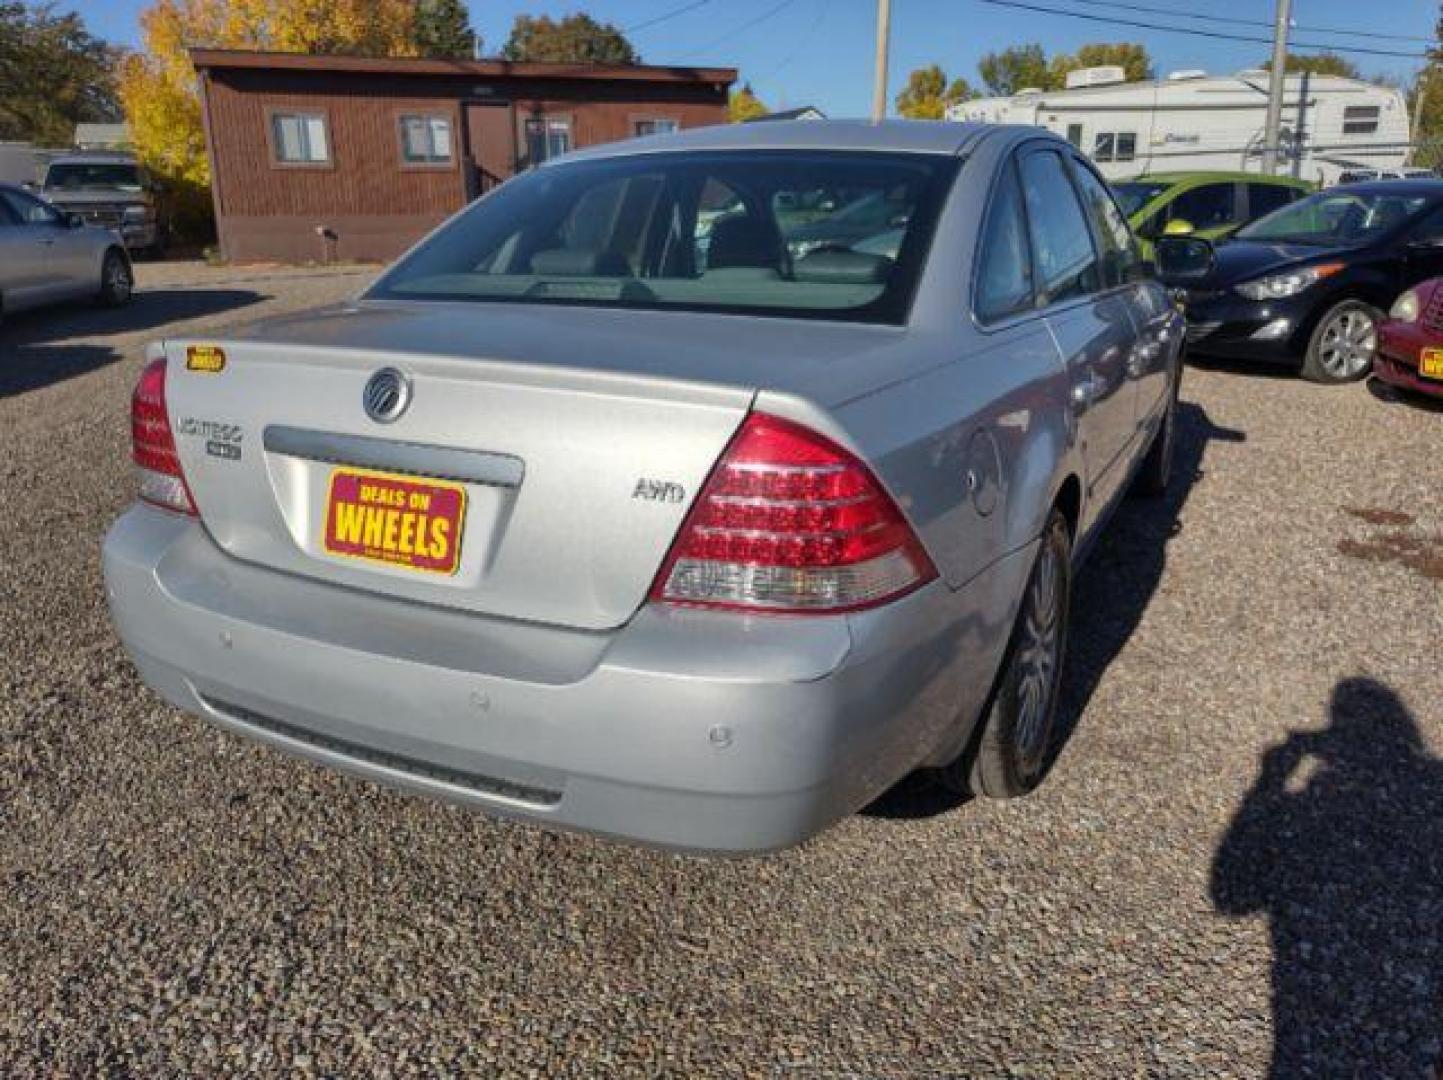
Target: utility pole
[1275,87]
[1420,96]
[879,88]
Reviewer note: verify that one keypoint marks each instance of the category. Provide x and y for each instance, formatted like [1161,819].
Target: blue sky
[819,52]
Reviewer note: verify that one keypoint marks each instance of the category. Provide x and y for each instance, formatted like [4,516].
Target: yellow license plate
[1430,364]
[397,520]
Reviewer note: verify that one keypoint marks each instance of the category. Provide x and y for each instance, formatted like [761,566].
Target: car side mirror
[1179,227]
[1184,258]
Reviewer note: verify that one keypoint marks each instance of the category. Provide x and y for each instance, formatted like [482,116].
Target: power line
[664,16]
[1217,34]
[1175,13]
[775,9]
[802,43]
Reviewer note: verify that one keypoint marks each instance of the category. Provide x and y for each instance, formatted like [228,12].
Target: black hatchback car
[1308,284]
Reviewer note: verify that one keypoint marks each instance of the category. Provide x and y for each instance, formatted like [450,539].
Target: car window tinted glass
[1004,269]
[1265,198]
[1429,230]
[1206,207]
[1133,196]
[1336,217]
[94,176]
[807,234]
[1119,251]
[1061,241]
[27,210]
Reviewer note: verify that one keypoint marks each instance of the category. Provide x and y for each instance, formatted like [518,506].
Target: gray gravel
[1240,844]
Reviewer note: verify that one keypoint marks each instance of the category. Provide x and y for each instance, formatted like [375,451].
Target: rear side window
[1119,252]
[1265,198]
[1061,240]
[1004,270]
[1207,207]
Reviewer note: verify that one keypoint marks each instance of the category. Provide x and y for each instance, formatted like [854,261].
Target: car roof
[914,136]
[1219,174]
[95,157]
[1432,188]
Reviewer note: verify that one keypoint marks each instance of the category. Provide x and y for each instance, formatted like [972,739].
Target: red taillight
[791,522]
[152,444]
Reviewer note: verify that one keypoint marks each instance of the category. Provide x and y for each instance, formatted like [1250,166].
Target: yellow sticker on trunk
[207,358]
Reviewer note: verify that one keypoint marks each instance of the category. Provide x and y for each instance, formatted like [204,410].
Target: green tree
[927,94]
[1323,63]
[54,74]
[1131,56]
[1427,131]
[576,39]
[744,105]
[443,30]
[1006,72]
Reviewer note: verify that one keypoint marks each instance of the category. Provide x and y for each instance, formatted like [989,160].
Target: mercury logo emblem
[387,394]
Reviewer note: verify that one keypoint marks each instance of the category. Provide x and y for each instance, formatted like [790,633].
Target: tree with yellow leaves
[158,85]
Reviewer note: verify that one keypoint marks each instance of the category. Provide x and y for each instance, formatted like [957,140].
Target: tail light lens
[791,522]
[152,444]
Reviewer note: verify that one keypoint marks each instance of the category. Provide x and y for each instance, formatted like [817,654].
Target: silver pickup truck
[107,189]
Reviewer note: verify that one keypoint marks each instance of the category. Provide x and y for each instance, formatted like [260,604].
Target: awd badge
[206,358]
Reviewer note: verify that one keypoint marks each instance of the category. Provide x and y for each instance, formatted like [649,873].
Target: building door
[490,145]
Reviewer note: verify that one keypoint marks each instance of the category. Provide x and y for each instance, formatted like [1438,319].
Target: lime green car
[1211,205]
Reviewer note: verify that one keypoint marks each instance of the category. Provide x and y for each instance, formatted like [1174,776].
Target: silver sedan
[608,509]
[48,255]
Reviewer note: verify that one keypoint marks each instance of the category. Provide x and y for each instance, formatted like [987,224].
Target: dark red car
[1410,342]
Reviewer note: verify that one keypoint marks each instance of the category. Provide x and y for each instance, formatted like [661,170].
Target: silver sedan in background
[48,255]
[607,509]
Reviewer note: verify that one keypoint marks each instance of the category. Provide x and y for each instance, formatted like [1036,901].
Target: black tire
[1011,754]
[117,280]
[1343,344]
[1152,476]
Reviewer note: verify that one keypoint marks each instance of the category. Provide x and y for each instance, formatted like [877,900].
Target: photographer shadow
[1340,844]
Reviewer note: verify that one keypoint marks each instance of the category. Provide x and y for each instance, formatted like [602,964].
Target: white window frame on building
[1361,119]
[642,126]
[554,137]
[1114,146]
[299,138]
[427,139]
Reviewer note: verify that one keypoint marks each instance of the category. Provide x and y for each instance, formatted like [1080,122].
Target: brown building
[343,157]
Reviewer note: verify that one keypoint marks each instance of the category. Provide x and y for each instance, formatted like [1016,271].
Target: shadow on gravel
[1110,594]
[1389,394]
[33,352]
[1260,369]
[1340,844]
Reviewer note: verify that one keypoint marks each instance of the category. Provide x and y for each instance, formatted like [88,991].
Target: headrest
[744,240]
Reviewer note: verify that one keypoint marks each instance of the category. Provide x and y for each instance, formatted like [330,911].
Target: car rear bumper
[685,728]
[1399,345]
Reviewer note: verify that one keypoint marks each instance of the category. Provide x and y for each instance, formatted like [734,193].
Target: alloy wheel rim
[1038,658]
[1348,344]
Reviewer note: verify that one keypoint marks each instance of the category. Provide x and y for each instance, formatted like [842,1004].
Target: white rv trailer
[1193,121]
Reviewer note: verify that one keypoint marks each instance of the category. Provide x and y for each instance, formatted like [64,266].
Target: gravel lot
[1240,853]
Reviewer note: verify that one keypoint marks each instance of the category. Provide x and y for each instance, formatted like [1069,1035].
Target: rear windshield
[806,234]
[94,176]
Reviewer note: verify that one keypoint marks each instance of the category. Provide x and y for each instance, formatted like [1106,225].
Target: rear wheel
[117,283]
[1156,469]
[1014,749]
[1343,343]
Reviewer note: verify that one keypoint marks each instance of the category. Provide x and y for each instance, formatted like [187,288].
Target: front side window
[656,127]
[1336,217]
[804,234]
[1137,194]
[300,138]
[425,140]
[1206,207]
[1265,198]
[28,210]
[1360,119]
[546,138]
[1061,240]
[1004,268]
[1120,259]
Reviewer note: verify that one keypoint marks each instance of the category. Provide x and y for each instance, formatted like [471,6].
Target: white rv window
[1111,145]
[1126,145]
[1360,119]
[1102,146]
[1074,135]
